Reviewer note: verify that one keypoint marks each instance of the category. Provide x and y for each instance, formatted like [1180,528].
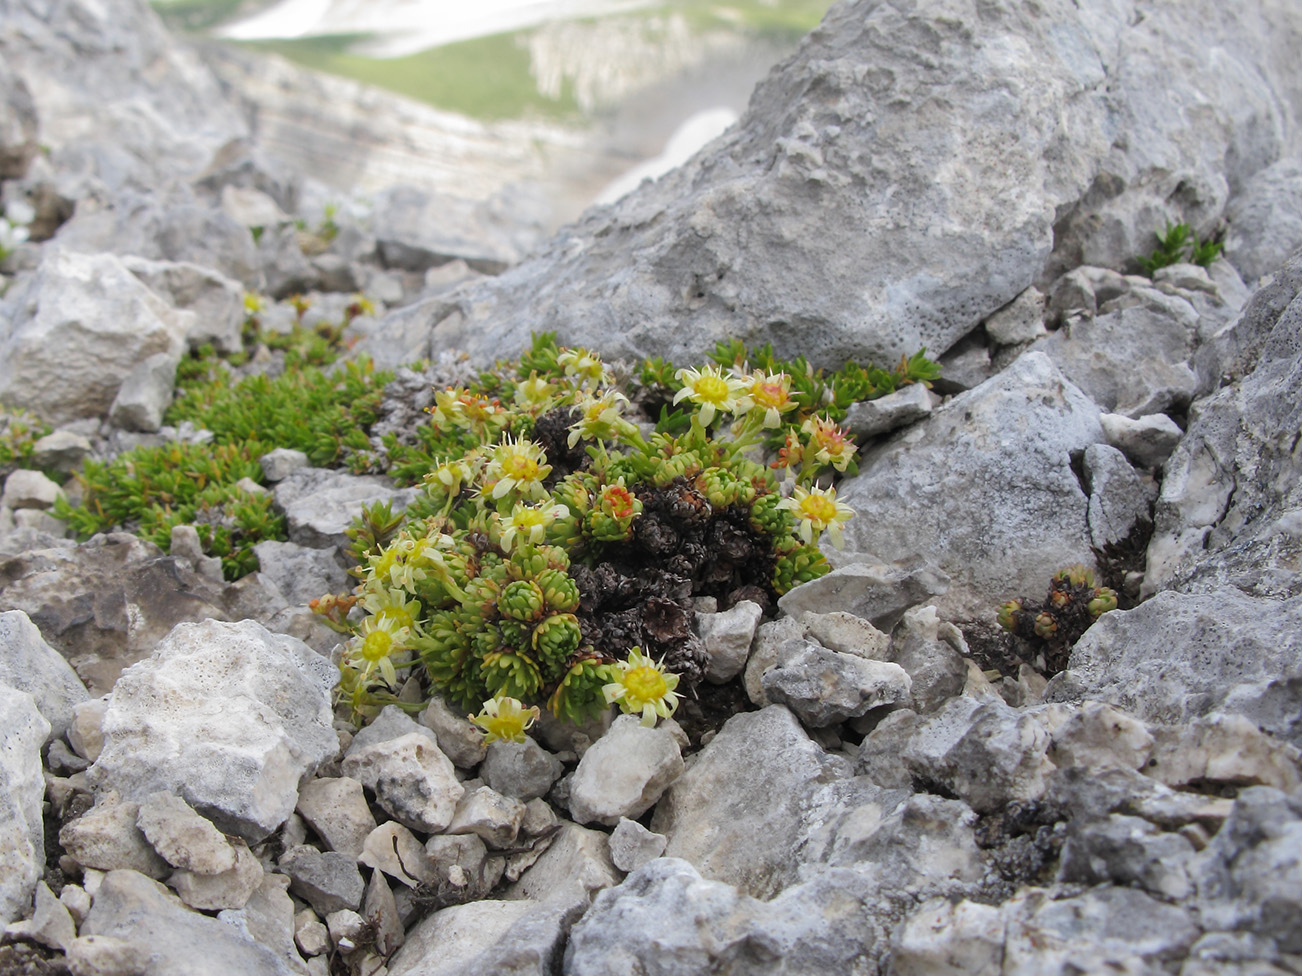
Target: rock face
[21,835]
[227,716]
[940,156]
[77,329]
[1002,453]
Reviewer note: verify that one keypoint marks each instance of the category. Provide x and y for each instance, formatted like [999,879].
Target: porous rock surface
[876,781]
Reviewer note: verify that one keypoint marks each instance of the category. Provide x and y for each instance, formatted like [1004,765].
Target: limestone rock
[825,687]
[143,914]
[1147,441]
[230,717]
[411,779]
[493,818]
[145,393]
[320,505]
[107,838]
[1228,513]
[22,788]
[524,770]
[575,867]
[79,326]
[727,638]
[229,890]
[1121,499]
[28,663]
[106,603]
[1128,850]
[871,418]
[29,489]
[459,740]
[873,590]
[216,301]
[327,880]
[738,825]
[337,810]
[1180,656]
[1265,219]
[983,489]
[298,573]
[624,773]
[1053,147]
[183,838]
[461,940]
[632,845]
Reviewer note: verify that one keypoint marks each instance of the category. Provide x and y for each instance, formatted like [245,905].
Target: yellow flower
[832,445]
[534,392]
[527,525]
[392,607]
[710,388]
[770,393]
[381,638]
[583,365]
[505,719]
[817,510]
[517,467]
[450,475]
[643,686]
[601,420]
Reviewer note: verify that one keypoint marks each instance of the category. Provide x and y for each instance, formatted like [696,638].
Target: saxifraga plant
[1179,243]
[1072,605]
[552,558]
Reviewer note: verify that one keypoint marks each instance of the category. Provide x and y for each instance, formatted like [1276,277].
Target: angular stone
[216,301]
[1147,441]
[85,322]
[1265,219]
[183,838]
[1180,656]
[62,450]
[108,602]
[229,889]
[872,418]
[394,850]
[983,489]
[1021,320]
[106,838]
[1222,749]
[876,592]
[145,393]
[524,770]
[380,910]
[145,916]
[1127,850]
[767,647]
[104,955]
[826,687]
[847,634]
[493,818]
[279,464]
[268,918]
[28,663]
[1097,736]
[449,941]
[310,933]
[624,773]
[983,751]
[411,779]
[733,825]
[25,488]
[51,925]
[230,717]
[459,740]
[570,871]
[300,574]
[727,637]
[327,880]
[22,788]
[1121,500]
[946,938]
[337,810]
[320,505]
[632,845]
[937,671]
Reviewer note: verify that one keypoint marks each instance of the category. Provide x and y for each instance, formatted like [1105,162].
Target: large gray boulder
[118,100]
[1230,509]
[230,717]
[909,171]
[1179,656]
[29,664]
[72,332]
[984,489]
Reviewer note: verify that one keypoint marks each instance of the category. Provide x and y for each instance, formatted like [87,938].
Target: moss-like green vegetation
[309,407]
[1180,243]
[19,431]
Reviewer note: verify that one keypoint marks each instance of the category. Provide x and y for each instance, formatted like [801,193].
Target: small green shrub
[1179,243]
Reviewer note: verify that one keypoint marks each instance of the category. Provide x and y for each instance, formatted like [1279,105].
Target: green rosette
[521,600]
[556,638]
[578,697]
[560,592]
[509,674]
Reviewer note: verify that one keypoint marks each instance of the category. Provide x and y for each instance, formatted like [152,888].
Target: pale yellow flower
[769,393]
[505,719]
[818,511]
[583,365]
[714,391]
[517,467]
[832,444]
[643,686]
[527,524]
[602,418]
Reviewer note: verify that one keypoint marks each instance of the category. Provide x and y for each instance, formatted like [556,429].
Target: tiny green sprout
[505,719]
[643,685]
[1180,243]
